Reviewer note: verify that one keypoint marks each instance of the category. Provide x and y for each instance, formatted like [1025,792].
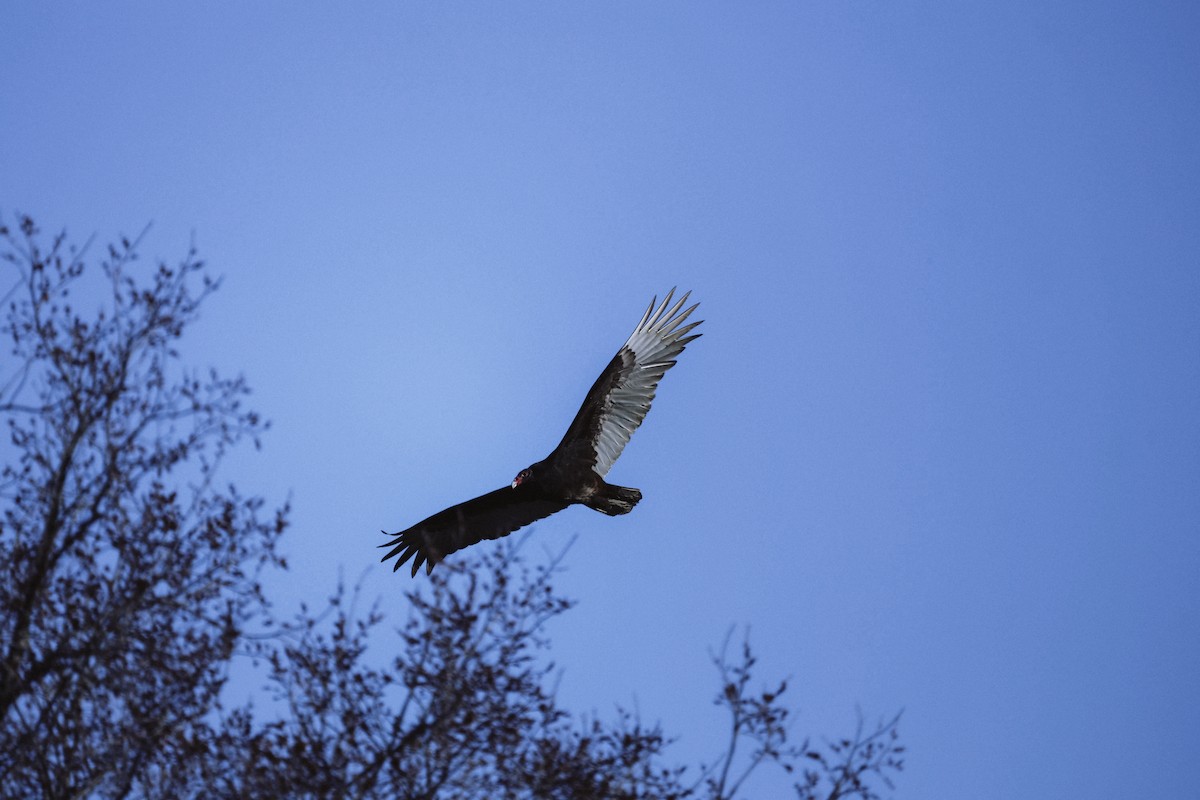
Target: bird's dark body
[574,471]
[571,481]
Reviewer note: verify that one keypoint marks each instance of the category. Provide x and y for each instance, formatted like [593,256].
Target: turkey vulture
[574,472]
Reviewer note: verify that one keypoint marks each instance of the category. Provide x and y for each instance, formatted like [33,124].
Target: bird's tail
[613,500]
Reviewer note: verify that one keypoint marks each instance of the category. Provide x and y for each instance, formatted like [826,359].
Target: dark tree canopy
[463,711]
[134,582]
[129,574]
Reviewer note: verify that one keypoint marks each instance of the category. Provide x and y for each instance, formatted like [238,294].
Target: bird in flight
[574,472]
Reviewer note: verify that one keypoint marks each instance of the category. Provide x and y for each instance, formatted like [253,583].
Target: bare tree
[134,578]
[463,711]
[851,767]
[129,575]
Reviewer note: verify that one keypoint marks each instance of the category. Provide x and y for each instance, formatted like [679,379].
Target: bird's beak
[516,482]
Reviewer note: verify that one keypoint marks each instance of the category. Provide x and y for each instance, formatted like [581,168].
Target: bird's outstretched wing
[488,516]
[619,399]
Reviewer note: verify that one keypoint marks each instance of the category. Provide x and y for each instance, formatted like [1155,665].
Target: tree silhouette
[129,575]
[135,578]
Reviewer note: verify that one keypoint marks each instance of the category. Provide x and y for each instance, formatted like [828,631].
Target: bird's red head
[522,476]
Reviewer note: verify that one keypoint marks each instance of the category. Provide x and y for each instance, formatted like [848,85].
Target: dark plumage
[574,473]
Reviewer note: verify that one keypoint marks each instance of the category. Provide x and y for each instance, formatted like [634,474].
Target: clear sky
[939,446]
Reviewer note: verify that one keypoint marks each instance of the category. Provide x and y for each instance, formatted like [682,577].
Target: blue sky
[939,446]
